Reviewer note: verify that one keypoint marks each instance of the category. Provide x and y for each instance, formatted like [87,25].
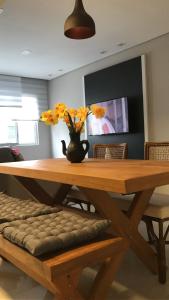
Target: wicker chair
[110,151]
[157,211]
[105,151]
[158,151]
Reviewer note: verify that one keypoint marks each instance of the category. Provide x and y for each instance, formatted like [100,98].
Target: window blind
[10,91]
[36,89]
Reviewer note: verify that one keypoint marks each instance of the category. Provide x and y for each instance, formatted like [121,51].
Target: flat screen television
[115,120]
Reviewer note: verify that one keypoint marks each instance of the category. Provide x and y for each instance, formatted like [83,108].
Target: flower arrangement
[74,118]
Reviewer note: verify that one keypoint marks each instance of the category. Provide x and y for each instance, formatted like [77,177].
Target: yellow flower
[82,113]
[60,109]
[98,111]
[73,118]
[49,117]
[72,112]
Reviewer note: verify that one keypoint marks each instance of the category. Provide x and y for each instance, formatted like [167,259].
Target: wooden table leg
[106,276]
[35,189]
[124,225]
[40,194]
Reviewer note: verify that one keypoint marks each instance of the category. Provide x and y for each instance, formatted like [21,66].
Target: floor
[133,282]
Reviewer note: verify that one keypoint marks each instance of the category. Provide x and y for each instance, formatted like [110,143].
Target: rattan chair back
[115,151]
[156,150]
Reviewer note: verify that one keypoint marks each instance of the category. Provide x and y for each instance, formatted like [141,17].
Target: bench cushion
[13,208]
[43,234]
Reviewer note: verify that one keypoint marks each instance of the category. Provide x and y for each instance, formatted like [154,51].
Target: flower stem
[70,120]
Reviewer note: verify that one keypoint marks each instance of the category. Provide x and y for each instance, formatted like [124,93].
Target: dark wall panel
[121,80]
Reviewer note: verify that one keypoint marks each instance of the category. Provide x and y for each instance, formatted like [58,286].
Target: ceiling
[37,25]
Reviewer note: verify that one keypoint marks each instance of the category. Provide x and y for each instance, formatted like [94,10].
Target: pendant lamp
[79,25]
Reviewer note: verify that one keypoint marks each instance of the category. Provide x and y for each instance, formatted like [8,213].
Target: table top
[121,176]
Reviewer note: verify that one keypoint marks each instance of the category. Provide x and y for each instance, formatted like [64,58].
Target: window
[31,128]
[21,102]
[19,125]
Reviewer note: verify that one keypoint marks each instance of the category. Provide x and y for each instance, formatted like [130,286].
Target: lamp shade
[79,25]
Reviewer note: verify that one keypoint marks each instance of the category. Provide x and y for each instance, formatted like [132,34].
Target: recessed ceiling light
[50,75]
[60,70]
[121,44]
[1,11]
[26,52]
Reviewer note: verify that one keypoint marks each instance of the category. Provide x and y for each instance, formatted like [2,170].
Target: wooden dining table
[95,177]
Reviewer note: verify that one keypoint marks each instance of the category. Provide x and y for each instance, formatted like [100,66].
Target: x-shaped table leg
[126,225]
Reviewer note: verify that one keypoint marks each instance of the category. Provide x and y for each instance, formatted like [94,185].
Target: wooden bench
[60,273]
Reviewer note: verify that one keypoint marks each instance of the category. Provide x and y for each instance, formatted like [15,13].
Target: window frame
[11,121]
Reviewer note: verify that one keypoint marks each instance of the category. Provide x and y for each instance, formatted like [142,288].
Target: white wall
[69,88]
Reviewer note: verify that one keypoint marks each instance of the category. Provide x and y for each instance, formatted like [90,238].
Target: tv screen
[114,121]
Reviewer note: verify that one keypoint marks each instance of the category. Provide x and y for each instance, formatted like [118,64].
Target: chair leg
[159,244]
[161,255]
[89,207]
[72,202]
[152,237]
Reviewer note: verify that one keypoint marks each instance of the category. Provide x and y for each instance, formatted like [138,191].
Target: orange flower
[74,118]
[79,126]
[60,109]
[49,117]
[72,112]
[98,111]
[82,113]
[66,120]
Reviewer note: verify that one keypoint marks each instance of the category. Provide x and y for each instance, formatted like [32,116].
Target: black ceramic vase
[75,152]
